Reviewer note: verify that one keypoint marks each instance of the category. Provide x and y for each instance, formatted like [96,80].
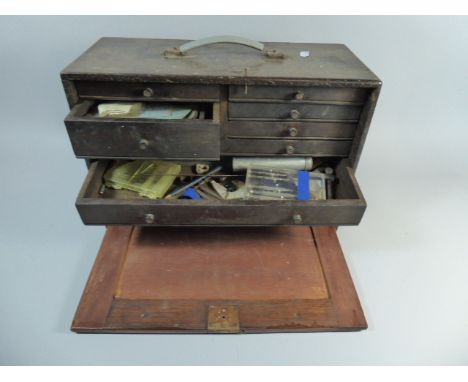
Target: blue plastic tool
[303,185]
[191,193]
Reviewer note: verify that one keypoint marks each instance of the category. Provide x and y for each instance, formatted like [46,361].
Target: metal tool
[180,190]
[329,179]
[302,163]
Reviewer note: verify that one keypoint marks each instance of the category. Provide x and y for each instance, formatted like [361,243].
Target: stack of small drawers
[293,120]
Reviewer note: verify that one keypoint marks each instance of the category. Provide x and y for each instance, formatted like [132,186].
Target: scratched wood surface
[181,280]
[143,59]
[219,263]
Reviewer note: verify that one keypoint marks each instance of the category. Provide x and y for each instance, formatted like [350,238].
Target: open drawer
[103,137]
[126,208]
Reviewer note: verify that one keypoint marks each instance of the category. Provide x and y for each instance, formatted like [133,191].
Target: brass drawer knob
[292,132]
[290,149]
[148,92]
[143,144]
[149,218]
[297,219]
[299,96]
[295,114]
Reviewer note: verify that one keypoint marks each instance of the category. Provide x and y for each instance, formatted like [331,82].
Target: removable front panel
[104,206]
[219,280]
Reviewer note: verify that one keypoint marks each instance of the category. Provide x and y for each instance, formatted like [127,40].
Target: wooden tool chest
[272,100]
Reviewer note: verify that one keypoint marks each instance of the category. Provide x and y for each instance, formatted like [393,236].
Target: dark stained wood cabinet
[277,99]
[318,106]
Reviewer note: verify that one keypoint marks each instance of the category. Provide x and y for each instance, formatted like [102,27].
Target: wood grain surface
[143,59]
[222,264]
[219,280]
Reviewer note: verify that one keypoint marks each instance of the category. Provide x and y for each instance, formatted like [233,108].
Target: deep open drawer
[95,137]
[95,209]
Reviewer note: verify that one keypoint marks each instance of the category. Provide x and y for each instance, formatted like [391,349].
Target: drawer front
[146,91]
[299,93]
[164,140]
[126,213]
[96,209]
[290,130]
[317,148]
[293,111]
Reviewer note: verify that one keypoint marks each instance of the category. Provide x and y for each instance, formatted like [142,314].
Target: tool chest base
[219,280]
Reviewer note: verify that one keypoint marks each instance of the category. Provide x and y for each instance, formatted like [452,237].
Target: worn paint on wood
[267,280]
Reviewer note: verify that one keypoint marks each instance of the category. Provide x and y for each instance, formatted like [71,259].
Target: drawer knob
[299,96]
[148,92]
[295,114]
[143,144]
[297,219]
[290,149]
[149,218]
[292,132]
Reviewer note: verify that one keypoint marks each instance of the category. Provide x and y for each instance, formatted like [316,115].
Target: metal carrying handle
[184,48]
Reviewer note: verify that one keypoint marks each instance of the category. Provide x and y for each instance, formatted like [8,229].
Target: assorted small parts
[318,186]
[207,192]
[157,179]
[329,176]
[180,190]
[229,190]
[287,184]
[269,184]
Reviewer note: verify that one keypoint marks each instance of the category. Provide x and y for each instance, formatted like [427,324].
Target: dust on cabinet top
[138,59]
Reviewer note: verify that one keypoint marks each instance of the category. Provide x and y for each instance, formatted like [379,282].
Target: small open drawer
[127,208]
[102,137]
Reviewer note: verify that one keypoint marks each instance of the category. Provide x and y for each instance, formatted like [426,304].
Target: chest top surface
[133,59]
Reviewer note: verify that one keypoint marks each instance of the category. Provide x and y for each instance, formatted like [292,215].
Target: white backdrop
[409,256]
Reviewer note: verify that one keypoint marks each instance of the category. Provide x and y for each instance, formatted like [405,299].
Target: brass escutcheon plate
[223,319]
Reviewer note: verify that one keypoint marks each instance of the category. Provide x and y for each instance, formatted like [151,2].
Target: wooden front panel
[146,91]
[194,213]
[304,93]
[202,280]
[194,139]
[315,148]
[290,130]
[300,111]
